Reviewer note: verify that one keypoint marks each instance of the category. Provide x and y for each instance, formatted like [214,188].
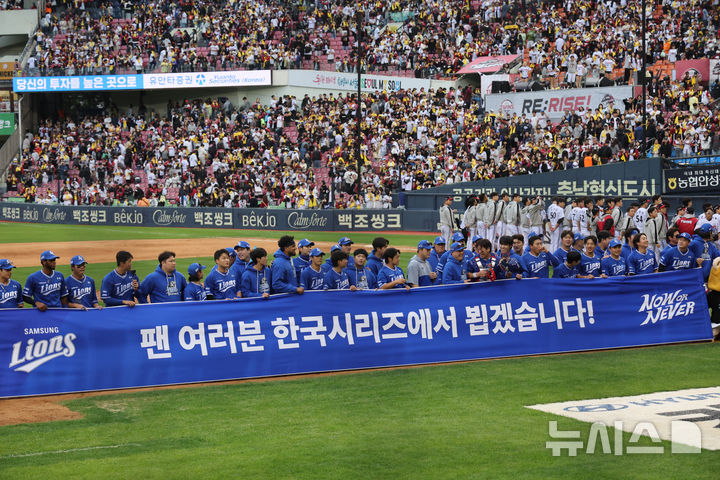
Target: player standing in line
[391,275]
[257,278]
[10,290]
[282,272]
[566,243]
[653,229]
[46,288]
[336,278]
[242,256]
[680,258]
[120,285]
[312,277]
[165,284]
[482,265]
[221,283]
[555,214]
[489,217]
[536,263]
[512,214]
[469,219]
[577,213]
[590,262]
[568,268]
[81,288]
[641,215]
[603,243]
[195,290]
[374,260]
[302,261]
[614,265]
[359,274]
[327,265]
[419,271]
[346,246]
[456,238]
[671,240]
[447,222]
[500,219]
[702,247]
[508,264]
[436,253]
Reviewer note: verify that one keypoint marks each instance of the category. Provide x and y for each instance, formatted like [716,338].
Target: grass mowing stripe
[70,450]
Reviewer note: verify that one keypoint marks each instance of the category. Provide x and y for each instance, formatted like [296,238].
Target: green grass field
[436,422]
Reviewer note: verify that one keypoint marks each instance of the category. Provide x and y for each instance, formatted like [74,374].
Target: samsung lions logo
[26,358]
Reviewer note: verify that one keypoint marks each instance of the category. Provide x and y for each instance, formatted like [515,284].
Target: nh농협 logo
[27,357]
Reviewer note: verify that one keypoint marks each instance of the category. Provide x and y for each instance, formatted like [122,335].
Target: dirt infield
[28,254]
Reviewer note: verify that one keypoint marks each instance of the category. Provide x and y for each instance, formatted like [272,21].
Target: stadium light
[358,114]
[644,82]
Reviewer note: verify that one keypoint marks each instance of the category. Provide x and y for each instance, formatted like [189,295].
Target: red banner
[700,68]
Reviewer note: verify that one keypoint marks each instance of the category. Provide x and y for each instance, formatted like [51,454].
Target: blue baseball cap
[578,236]
[242,244]
[48,255]
[457,247]
[532,233]
[425,244]
[316,252]
[439,241]
[686,236]
[634,231]
[6,264]
[334,248]
[345,241]
[705,228]
[306,243]
[614,243]
[194,268]
[231,251]
[77,260]
[475,238]
[458,237]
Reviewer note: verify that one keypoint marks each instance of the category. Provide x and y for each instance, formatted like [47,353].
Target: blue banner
[79,83]
[71,350]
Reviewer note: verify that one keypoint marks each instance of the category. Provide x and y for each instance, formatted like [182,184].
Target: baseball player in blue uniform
[391,275]
[233,256]
[221,283]
[590,262]
[257,278]
[312,276]
[566,244]
[195,290]
[482,265]
[629,236]
[120,285]
[702,247]
[374,260]
[346,246]
[680,258]
[437,252]
[327,265]
[282,271]
[81,288]
[336,278]
[641,260]
[46,288]
[455,270]
[614,265]
[359,274]
[569,267]
[165,284]
[10,290]
[536,263]
[302,260]
[456,238]
[242,259]
[509,264]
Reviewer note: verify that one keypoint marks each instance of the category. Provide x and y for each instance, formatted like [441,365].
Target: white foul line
[34,454]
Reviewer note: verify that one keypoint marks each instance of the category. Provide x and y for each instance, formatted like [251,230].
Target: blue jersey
[641,263]
[387,275]
[363,278]
[283,274]
[237,270]
[194,292]
[676,260]
[336,281]
[116,288]
[563,271]
[11,294]
[508,266]
[46,289]
[667,248]
[311,279]
[705,250]
[162,287]
[590,265]
[477,263]
[538,266]
[614,268]
[561,255]
[455,271]
[326,266]
[255,283]
[300,263]
[81,291]
[221,285]
[433,260]
[374,264]
[626,251]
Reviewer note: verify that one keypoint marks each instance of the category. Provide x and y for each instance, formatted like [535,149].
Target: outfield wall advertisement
[68,350]
[244,218]
[349,81]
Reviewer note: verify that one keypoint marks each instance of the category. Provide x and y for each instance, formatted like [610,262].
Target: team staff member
[282,272]
[336,278]
[165,284]
[374,260]
[391,275]
[536,263]
[10,290]
[81,288]
[313,277]
[419,272]
[359,274]
[302,261]
[120,285]
[195,290]
[569,267]
[680,258]
[46,288]
[257,278]
[614,265]
[221,283]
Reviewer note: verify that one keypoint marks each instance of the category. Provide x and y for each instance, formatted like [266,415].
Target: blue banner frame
[63,350]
